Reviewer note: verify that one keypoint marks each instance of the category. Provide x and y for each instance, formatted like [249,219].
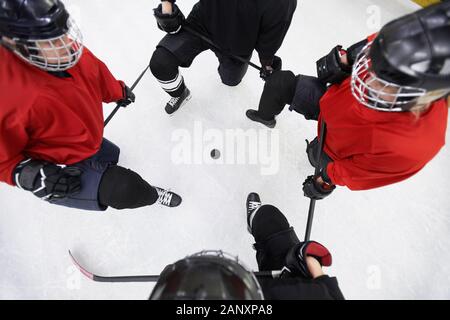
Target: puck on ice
[215,154]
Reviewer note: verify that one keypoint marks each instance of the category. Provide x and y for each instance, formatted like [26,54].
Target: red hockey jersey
[55,119]
[372,148]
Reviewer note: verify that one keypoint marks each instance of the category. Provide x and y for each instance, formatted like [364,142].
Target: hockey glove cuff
[128,96]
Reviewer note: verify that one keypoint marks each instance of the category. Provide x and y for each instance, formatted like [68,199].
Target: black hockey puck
[215,154]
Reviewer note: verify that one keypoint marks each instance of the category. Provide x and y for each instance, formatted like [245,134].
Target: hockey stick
[312,204]
[147,278]
[97,278]
[132,88]
[209,41]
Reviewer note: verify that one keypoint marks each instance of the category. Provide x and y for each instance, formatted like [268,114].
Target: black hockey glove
[47,180]
[330,69]
[316,191]
[354,51]
[170,23]
[128,97]
[296,258]
[267,69]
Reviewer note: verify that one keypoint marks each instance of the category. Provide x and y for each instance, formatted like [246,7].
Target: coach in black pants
[237,27]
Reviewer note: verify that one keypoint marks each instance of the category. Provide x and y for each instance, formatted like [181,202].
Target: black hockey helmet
[208,275]
[414,50]
[407,66]
[33,19]
[40,32]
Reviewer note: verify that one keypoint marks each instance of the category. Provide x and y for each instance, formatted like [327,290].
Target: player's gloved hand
[295,261]
[268,68]
[331,68]
[354,50]
[47,180]
[315,189]
[128,96]
[170,23]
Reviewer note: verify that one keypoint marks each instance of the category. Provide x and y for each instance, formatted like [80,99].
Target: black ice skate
[175,103]
[168,198]
[253,115]
[253,204]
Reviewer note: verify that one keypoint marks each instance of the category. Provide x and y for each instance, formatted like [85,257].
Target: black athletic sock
[279,90]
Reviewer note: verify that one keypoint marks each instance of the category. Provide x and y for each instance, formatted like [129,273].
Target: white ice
[389,243]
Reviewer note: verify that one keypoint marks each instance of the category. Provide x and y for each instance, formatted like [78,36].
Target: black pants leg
[302,93]
[273,236]
[231,71]
[308,92]
[278,91]
[93,170]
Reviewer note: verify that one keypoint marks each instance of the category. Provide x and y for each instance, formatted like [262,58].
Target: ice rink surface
[389,243]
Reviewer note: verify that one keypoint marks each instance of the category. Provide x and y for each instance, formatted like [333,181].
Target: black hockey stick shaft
[111,115]
[97,278]
[126,279]
[209,41]
[312,204]
[155,278]
[146,278]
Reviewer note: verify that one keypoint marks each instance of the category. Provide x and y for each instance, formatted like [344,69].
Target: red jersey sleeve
[13,140]
[111,88]
[367,171]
